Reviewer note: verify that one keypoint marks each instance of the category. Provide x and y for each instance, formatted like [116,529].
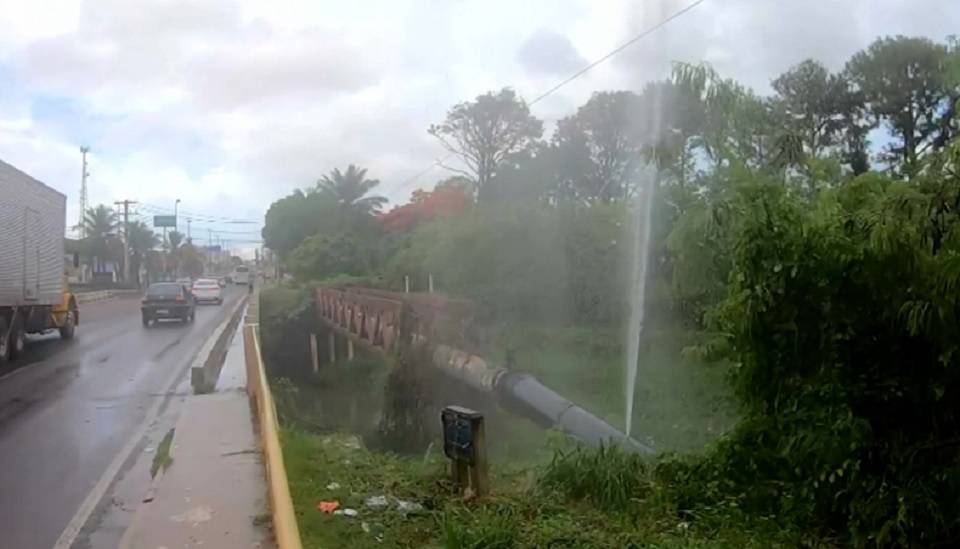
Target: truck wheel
[4,342]
[146,321]
[17,341]
[69,325]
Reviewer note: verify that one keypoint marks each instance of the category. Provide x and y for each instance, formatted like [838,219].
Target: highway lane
[70,407]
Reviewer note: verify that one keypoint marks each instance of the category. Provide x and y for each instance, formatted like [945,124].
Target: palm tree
[174,240]
[100,225]
[349,189]
[142,239]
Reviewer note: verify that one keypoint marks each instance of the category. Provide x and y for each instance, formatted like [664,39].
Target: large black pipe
[522,393]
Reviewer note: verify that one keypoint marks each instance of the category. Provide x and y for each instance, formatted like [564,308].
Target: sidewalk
[213,494]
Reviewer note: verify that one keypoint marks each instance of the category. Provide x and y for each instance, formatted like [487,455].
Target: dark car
[168,300]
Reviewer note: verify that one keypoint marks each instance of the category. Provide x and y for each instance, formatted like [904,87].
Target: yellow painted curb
[285,527]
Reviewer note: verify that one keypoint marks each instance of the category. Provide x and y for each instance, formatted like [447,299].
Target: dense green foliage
[821,267]
[842,313]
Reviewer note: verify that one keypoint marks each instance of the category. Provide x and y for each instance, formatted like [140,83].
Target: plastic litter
[376,501]
[409,507]
[350,512]
[327,506]
[365,527]
[333,486]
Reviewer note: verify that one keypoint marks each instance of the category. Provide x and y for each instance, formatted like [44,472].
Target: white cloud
[548,52]
[230,104]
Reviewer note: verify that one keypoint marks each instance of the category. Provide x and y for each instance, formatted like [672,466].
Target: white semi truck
[34,296]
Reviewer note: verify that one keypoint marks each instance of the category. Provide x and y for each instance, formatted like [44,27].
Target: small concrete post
[478,471]
[430,282]
[406,284]
[349,350]
[314,354]
[332,346]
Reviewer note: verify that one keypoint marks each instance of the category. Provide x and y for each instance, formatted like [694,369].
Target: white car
[207,290]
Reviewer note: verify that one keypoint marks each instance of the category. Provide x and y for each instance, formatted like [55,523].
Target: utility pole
[83,192]
[126,237]
[210,250]
[188,230]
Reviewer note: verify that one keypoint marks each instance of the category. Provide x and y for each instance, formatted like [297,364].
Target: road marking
[73,528]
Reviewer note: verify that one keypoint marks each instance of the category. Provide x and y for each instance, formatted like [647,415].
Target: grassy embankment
[545,492]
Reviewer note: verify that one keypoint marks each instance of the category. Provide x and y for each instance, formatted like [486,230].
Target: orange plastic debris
[327,506]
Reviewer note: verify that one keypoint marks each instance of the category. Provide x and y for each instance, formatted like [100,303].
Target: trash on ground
[409,507]
[327,506]
[365,527]
[351,443]
[350,512]
[333,486]
[376,501]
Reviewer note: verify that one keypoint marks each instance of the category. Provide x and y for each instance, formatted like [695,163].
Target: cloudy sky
[229,105]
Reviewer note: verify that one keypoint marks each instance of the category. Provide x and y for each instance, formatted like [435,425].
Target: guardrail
[379,318]
[285,527]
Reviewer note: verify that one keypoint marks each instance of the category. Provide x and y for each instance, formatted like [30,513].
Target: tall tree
[296,216]
[902,80]
[190,259]
[100,225]
[174,240]
[676,116]
[605,126]
[720,100]
[484,132]
[811,103]
[350,190]
[142,240]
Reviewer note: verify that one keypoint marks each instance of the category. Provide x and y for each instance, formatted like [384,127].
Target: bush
[842,315]
[323,256]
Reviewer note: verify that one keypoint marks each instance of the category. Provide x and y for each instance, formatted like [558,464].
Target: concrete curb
[203,376]
[285,527]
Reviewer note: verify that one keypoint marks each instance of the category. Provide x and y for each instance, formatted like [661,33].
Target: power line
[615,51]
[197,216]
[569,79]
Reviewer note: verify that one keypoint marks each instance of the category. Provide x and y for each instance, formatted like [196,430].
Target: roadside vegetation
[798,362]
[162,460]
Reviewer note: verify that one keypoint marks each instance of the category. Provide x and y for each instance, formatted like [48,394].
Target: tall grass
[609,477]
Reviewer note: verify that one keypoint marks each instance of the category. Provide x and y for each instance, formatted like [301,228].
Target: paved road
[70,407]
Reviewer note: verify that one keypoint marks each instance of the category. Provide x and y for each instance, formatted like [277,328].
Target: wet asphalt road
[69,408]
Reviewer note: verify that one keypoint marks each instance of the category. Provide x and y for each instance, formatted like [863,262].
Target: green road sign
[164,221]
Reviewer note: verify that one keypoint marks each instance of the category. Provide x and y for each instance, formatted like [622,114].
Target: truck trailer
[34,297]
